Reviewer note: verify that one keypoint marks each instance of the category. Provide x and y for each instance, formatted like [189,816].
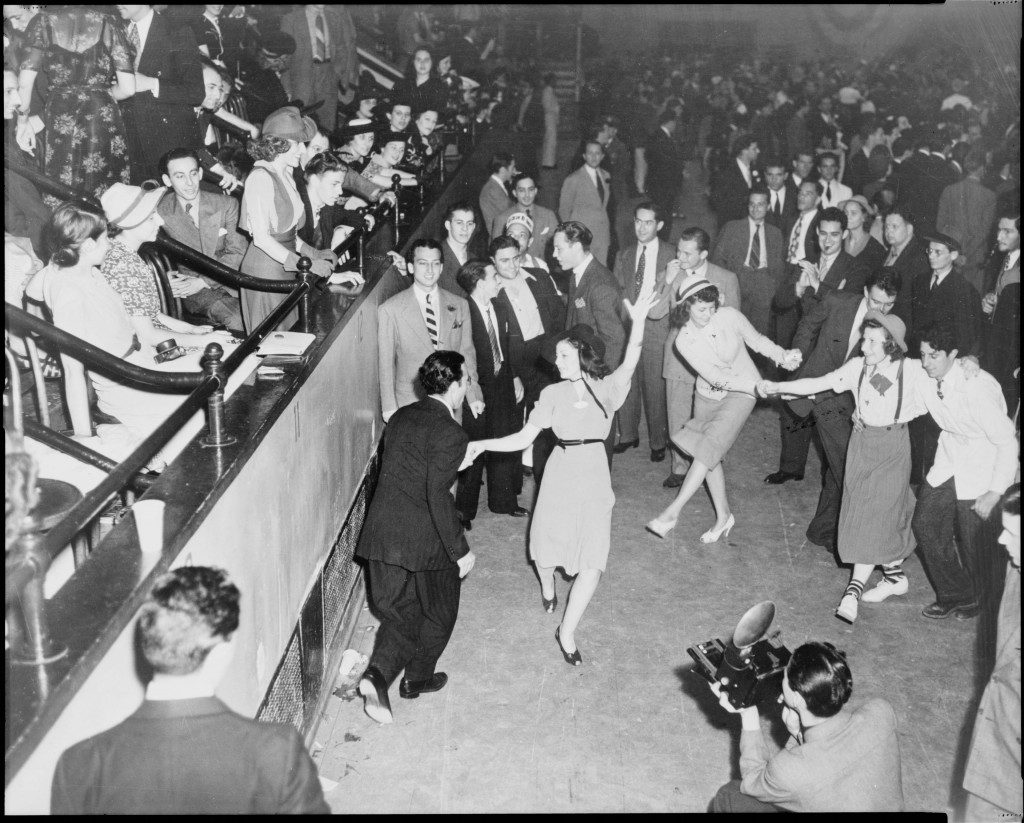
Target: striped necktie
[431,323]
[492,335]
[321,38]
[794,239]
[755,249]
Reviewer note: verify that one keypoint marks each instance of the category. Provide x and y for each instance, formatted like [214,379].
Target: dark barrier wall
[279,510]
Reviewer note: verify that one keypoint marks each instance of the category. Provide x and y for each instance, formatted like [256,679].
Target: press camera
[748,667]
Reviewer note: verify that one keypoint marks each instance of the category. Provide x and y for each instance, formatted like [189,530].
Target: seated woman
[75,243]
[423,150]
[132,220]
[381,167]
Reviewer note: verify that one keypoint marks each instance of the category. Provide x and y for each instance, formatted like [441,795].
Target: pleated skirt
[877,507]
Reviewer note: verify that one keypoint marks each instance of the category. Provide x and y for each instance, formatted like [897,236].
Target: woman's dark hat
[581,332]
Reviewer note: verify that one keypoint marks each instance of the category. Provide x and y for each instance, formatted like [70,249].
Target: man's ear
[166,179]
[409,268]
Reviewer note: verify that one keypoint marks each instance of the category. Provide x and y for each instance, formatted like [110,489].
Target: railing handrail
[82,199]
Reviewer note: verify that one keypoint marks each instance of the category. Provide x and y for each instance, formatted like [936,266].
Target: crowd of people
[867,246]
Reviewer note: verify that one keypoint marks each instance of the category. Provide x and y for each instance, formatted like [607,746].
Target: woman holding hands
[572,518]
[714,342]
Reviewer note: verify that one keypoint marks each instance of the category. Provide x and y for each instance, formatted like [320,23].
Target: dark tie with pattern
[194,217]
[755,249]
[431,323]
[492,335]
[777,207]
[135,42]
[641,267]
[600,187]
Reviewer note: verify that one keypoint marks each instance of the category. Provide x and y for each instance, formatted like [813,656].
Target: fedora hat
[581,332]
[892,324]
[947,240]
[289,124]
[129,206]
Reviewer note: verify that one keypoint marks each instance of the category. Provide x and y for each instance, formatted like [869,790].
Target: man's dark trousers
[417,611]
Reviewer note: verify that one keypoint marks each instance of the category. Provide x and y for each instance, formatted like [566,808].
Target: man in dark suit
[25,214]
[494,194]
[160,116]
[857,173]
[207,222]
[922,178]
[1001,329]
[594,296]
[644,264]
[532,310]
[828,335]
[412,539]
[458,246]
[503,392]
[665,166]
[734,182]
[807,283]
[968,210]
[259,77]
[782,194]
[908,256]
[184,752]
[752,249]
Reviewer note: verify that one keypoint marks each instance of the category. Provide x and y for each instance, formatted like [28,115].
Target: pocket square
[222,231]
[546,230]
[580,303]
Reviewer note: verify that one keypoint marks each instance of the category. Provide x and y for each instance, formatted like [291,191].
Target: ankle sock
[893,572]
[855,587]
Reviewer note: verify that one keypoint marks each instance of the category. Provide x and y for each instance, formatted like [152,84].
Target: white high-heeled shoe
[712,535]
[661,527]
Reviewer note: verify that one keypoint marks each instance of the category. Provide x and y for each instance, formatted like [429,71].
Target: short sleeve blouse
[132,279]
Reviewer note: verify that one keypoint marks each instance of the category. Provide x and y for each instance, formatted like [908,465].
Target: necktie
[528,213]
[938,390]
[641,267]
[828,193]
[321,38]
[431,323]
[600,187]
[891,259]
[823,266]
[318,236]
[492,335]
[135,42]
[192,214]
[755,249]
[935,282]
[794,239]
[776,207]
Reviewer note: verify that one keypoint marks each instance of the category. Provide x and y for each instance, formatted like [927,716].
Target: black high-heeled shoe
[549,605]
[573,658]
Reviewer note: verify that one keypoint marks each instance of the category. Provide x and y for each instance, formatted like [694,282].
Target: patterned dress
[80,50]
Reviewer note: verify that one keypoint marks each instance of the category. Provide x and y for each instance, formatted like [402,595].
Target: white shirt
[803,223]
[878,408]
[777,197]
[1011,259]
[592,174]
[835,193]
[487,310]
[524,304]
[142,27]
[421,301]
[192,209]
[582,267]
[858,318]
[745,171]
[650,263]
[977,447]
[762,251]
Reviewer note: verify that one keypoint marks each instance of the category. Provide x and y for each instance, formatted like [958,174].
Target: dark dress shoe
[549,605]
[411,689]
[572,658]
[657,455]
[775,478]
[673,481]
[940,611]
[626,444]
[467,525]
[374,691]
[518,511]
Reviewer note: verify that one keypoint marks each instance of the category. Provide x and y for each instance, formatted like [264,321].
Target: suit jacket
[954,302]
[25,214]
[967,210]
[847,273]
[1001,338]
[216,236]
[675,368]
[494,199]
[523,355]
[823,338]
[450,269]
[188,757]
[403,343]
[341,48]
[596,301]
[412,521]
[784,221]
[155,125]
[625,273]
[756,287]
[856,175]
[319,236]
[545,222]
[580,201]
[922,179]
[910,265]
[665,165]
[729,192]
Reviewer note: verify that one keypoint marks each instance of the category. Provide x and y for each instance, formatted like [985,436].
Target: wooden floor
[633,729]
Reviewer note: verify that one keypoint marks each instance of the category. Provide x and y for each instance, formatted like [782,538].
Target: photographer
[836,759]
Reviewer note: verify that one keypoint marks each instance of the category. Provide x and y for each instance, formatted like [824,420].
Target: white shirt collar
[701,270]
[421,294]
[1013,257]
[142,27]
[941,276]
[582,267]
[212,19]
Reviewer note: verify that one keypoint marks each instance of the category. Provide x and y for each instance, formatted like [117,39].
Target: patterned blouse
[130,276]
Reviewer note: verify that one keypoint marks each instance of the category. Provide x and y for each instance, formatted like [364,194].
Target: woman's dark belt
[564,443]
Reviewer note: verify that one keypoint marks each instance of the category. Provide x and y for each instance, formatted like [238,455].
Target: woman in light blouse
[714,342]
[875,517]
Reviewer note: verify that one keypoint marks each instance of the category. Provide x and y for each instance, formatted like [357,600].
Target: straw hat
[129,206]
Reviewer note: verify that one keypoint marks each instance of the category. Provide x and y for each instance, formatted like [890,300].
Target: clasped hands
[809,277]
[790,362]
[473,451]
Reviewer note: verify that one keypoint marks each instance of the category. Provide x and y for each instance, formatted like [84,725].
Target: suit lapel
[209,225]
[184,223]
[414,318]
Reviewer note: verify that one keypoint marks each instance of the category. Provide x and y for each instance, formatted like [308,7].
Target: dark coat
[785,220]
[729,192]
[953,302]
[665,164]
[188,757]
[155,125]
[412,521]
[847,273]
[597,301]
[523,356]
[1001,340]
[910,265]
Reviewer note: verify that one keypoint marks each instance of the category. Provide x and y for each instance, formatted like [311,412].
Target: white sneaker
[847,608]
[886,588]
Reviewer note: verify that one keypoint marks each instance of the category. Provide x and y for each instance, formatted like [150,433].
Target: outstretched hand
[473,451]
[645,301]
[792,360]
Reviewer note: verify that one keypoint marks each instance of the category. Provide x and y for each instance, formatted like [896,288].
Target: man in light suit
[416,322]
[325,57]
[545,221]
[412,540]
[584,199]
[644,264]
[753,249]
[184,752]
[169,86]
[968,210]
[680,379]
[594,297]
[494,196]
[207,222]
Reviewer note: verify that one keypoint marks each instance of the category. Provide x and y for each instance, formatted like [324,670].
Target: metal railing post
[305,275]
[36,647]
[396,187]
[213,367]
[361,239]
